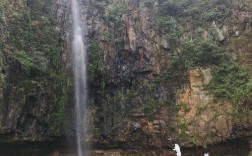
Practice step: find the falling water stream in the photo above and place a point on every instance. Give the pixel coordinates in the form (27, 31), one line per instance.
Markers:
(80, 76)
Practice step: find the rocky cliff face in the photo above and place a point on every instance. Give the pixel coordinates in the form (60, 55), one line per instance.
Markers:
(160, 71)
(157, 68)
(33, 84)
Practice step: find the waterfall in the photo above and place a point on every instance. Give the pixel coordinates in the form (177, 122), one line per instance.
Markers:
(80, 76)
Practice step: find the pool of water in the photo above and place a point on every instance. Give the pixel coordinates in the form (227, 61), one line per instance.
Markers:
(231, 148)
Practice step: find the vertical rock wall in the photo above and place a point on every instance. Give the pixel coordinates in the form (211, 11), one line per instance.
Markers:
(137, 103)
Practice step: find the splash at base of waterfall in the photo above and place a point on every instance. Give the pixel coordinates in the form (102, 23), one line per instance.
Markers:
(178, 152)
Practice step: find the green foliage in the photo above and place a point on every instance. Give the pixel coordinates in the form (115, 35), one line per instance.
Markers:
(167, 24)
(202, 53)
(151, 102)
(182, 127)
(2, 13)
(106, 36)
(199, 11)
(176, 68)
(31, 41)
(1, 69)
(120, 100)
(242, 46)
(60, 121)
(193, 54)
(30, 38)
(171, 7)
(182, 106)
(230, 82)
(61, 84)
(96, 67)
(36, 61)
(176, 72)
(98, 6)
(148, 3)
(150, 105)
(25, 61)
(41, 9)
(20, 31)
(148, 85)
(117, 9)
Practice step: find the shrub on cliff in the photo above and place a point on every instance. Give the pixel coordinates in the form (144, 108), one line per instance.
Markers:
(230, 81)
(202, 53)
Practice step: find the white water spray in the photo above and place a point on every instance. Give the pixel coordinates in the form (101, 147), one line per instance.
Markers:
(177, 149)
(178, 152)
(80, 77)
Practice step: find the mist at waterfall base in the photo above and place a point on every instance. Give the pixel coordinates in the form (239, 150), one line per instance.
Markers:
(80, 77)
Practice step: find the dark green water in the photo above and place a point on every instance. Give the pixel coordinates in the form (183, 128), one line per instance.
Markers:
(231, 148)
